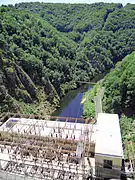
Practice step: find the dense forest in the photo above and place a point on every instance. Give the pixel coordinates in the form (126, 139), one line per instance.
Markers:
(119, 97)
(46, 49)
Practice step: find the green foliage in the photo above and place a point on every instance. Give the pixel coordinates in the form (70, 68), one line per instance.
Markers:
(72, 17)
(53, 46)
(105, 32)
(89, 103)
(128, 135)
(119, 20)
(126, 126)
(119, 95)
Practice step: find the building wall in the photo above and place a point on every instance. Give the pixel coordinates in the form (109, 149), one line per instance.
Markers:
(106, 172)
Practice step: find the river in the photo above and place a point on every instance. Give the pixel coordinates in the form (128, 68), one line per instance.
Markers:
(70, 105)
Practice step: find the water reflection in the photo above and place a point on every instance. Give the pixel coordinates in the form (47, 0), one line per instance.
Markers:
(70, 105)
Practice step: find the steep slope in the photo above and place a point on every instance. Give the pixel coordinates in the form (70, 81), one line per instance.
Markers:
(115, 40)
(119, 97)
(104, 32)
(119, 93)
(32, 54)
(40, 62)
(72, 17)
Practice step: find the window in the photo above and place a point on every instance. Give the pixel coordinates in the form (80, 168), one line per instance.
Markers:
(108, 164)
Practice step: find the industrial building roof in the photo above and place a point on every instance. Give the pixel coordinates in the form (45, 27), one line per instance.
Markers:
(108, 136)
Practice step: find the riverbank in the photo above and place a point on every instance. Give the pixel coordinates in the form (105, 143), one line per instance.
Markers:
(70, 105)
(89, 109)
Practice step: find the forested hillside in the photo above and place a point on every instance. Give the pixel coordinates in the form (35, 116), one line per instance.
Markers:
(119, 85)
(119, 97)
(45, 49)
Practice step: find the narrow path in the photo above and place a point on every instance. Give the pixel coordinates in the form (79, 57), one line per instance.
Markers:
(98, 102)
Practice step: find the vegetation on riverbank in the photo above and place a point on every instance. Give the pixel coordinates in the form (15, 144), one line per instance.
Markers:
(89, 102)
(45, 49)
(119, 97)
(128, 136)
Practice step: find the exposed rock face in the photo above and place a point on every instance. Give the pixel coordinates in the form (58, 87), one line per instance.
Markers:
(17, 86)
(3, 93)
(51, 92)
(26, 81)
(7, 103)
(19, 83)
(45, 55)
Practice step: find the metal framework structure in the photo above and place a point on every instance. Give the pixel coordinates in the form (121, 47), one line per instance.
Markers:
(26, 151)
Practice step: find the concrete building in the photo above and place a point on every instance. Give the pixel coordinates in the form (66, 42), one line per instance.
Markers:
(44, 149)
(108, 147)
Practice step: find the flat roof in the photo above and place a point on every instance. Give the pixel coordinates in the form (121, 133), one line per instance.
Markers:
(108, 136)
